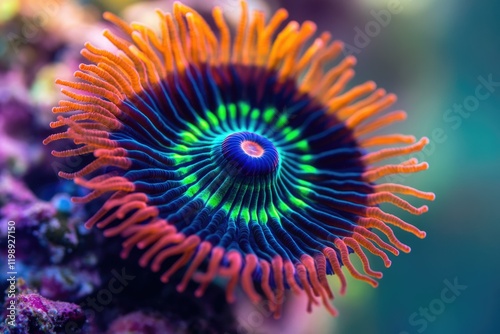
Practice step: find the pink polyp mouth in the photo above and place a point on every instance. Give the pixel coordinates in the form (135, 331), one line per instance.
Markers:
(252, 149)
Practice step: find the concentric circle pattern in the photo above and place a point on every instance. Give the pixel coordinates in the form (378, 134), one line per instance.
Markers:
(250, 154)
(243, 156)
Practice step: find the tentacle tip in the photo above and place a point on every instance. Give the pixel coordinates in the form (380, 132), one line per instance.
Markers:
(272, 305)
(338, 43)
(256, 299)
(353, 61)
(164, 279)
(198, 293)
(181, 287)
(422, 235)
(134, 48)
(370, 84)
(310, 25)
(135, 32)
(388, 263)
(294, 25)
(331, 309)
(392, 97)
(107, 206)
(423, 209)
(124, 255)
(425, 140)
(283, 12)
(143, 263)
(107, 233)
(64, 175)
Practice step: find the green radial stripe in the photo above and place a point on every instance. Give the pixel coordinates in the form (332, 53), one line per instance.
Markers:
(205, 177)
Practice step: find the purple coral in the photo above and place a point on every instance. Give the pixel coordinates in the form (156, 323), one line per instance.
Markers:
(28, 312)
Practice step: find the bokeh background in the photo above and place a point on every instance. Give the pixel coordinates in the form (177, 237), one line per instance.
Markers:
(435, 55)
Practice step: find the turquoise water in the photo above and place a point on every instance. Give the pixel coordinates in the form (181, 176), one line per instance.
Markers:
(433, 59)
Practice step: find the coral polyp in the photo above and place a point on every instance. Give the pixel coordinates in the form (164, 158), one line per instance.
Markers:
(244, 156)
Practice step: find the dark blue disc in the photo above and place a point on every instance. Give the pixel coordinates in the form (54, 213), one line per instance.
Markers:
(250, 154)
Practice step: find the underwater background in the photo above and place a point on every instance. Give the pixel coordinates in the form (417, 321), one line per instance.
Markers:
(442, 60)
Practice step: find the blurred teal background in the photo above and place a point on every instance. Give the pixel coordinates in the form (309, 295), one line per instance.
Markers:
(432, 54)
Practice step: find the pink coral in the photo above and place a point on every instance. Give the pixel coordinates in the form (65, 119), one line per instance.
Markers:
(28, 312)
